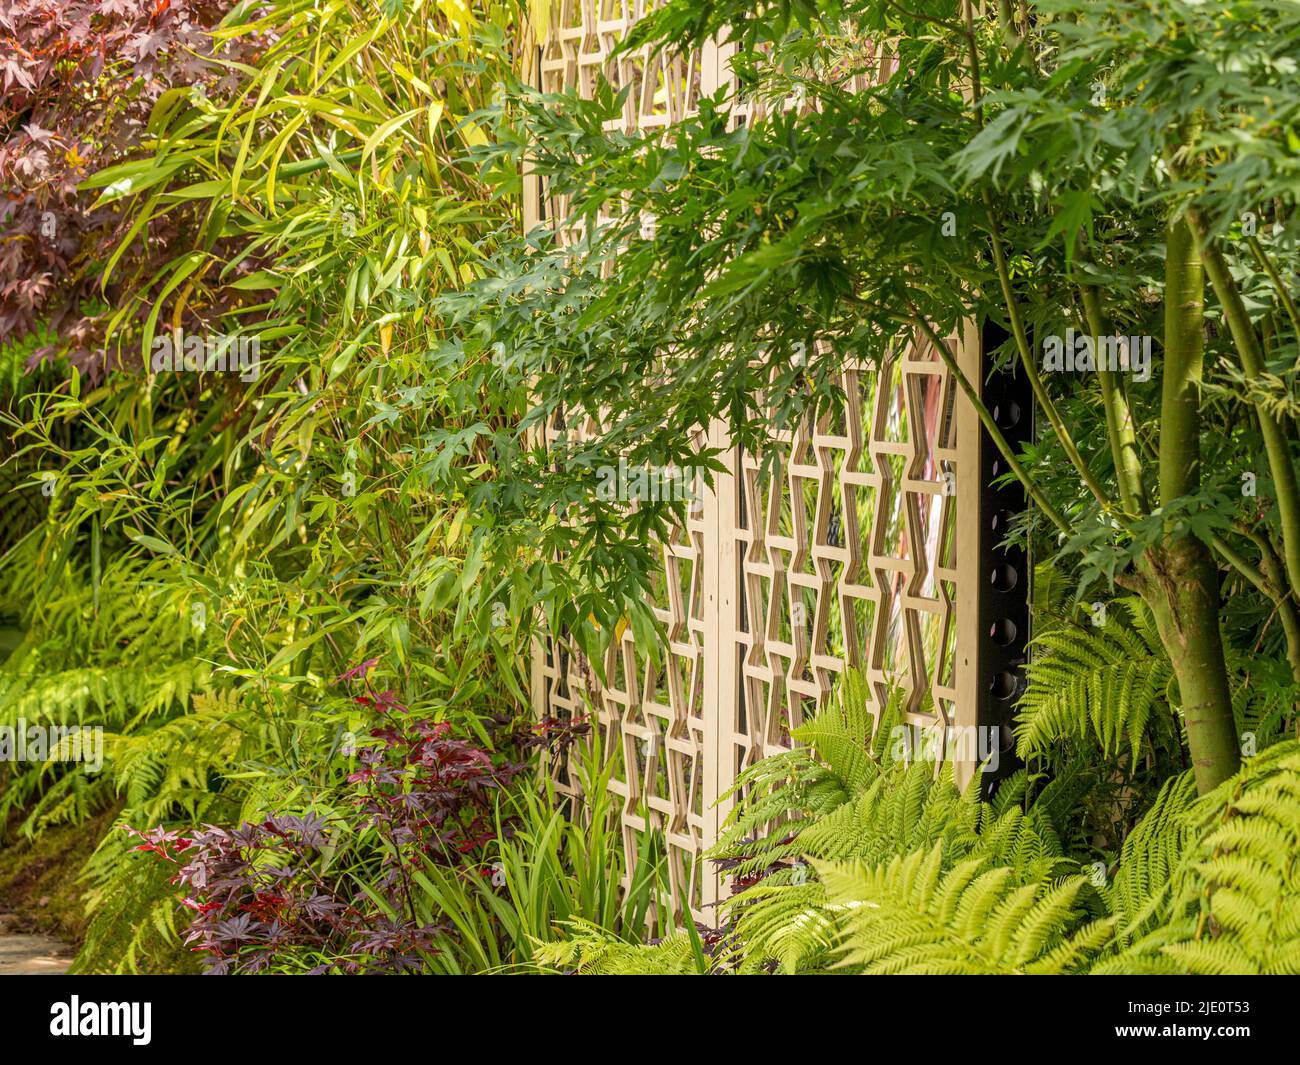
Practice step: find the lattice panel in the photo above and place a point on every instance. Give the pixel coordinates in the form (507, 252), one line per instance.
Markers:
(650, 713)
(578, 51)
(845, 551)
(846, 554)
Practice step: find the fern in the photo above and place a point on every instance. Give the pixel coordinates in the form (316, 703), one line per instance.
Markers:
(591, 951)
(845, 807)
(1233, 898)
(113, 650)
(1113, 685)
(116, 650)
(172, 770)
(135, 923)
(913, 876)
(846, 753)
(1108, 683)
(846, 800)
(1151, 853)
(918, 915)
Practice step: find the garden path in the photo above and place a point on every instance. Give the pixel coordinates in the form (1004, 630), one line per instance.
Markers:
(30, 953)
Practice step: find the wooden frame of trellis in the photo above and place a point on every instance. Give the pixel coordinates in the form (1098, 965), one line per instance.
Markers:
(859, 526)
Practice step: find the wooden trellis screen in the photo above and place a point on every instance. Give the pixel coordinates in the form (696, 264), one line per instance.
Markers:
(852, 554)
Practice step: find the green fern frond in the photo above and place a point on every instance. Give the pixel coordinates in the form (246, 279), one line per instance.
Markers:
(1108, 684)
(591, 951)
(910, 916)
(785, 921)
(1233, 900)
(1151, 853)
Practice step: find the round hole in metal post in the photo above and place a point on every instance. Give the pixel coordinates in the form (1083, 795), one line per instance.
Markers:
(1003, 631)
(1004, 685)
(1004, 577)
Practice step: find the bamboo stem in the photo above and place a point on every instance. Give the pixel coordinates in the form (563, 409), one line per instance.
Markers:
(1276, 446)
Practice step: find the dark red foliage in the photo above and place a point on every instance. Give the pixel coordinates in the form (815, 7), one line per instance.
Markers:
(78, 79)
(429, 793)
(262, 892)
(557, 735)
(258, 893)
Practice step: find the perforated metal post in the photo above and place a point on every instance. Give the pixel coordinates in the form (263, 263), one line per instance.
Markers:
(1006, 571)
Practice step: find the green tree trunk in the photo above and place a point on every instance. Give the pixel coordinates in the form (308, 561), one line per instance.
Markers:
(1181, 584)
(1182, 591)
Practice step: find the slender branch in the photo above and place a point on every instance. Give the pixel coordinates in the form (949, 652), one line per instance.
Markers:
(1269, 268)
(1283, 604)
(986, 418)
(1241, 564)
(1184, 339)
(1270, 562)
(1275, 587)
(921, 17)
(1248, 347)
(1119, 418)
(1007, 18)
(972, 45)
(1041, 395)
(1018, 330)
